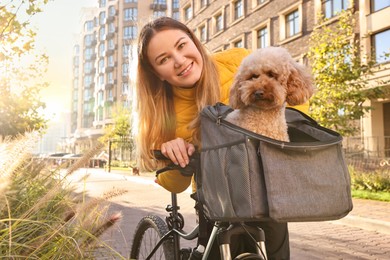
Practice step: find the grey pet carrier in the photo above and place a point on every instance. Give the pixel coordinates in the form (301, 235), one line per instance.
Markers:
(247, 177)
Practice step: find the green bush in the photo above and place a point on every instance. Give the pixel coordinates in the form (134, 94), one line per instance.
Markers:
(40, 215)
(378, 180)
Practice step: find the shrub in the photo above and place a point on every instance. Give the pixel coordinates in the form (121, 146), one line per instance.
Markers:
(40, 215)
(377, 180)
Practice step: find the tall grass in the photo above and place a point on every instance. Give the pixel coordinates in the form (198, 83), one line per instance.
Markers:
(41, 217)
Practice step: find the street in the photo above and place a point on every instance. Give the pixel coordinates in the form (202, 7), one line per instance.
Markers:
(308, 240)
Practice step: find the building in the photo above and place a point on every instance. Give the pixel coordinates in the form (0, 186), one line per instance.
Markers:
(104, 64)
(256, 24)
(104, 61)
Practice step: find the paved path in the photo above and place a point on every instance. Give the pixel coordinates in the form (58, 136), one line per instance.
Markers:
(363, 234)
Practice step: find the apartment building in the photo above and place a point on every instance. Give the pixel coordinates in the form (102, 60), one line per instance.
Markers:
(252, 24)
(104, 60)
(104, 64)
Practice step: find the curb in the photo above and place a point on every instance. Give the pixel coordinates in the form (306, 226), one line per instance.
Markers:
(377, 225)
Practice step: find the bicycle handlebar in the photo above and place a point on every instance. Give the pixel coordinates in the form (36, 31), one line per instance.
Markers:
(189, 170)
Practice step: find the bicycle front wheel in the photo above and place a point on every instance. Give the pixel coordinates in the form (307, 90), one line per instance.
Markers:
(148, 233)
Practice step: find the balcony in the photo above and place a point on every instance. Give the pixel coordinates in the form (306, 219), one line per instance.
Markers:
(108, 86)
(109, 35)
(158, 6)
(108, 69)
(109, 19)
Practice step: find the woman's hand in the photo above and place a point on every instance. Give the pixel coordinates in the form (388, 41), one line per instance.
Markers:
(178, 151)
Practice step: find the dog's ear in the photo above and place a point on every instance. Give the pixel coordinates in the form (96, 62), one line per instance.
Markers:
(235, 96)
(299, 84)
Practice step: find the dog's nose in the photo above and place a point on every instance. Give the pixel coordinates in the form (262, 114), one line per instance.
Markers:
(259, 94)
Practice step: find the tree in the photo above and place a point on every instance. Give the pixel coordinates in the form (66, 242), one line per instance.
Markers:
(120, 133)
(21, 69)
(340, 75)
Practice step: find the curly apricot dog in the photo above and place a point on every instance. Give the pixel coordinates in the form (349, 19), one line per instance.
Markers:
(266, 81)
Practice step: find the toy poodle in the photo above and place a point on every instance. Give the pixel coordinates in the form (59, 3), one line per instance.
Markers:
(265, 82)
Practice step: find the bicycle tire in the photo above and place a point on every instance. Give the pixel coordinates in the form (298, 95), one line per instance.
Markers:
(248, 256)
(147, 234)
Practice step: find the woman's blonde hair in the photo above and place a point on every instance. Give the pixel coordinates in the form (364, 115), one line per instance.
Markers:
(157, 119)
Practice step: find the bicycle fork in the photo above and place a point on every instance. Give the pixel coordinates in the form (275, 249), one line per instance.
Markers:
(225, 234)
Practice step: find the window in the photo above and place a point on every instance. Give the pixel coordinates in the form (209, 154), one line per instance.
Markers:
(111, 44)
(102, 34)
(130, 14)
(175, 4)
(292, 24)
(88, 52)
(125, 88)
(202, 33)
(88, 26)
(87, 81)
(101, 81)
(218, 21)
(157, 14)
(176, 15)
(380, 44)
(332, 8)
(110, 78)
(125, 69)
(238, 9)
(238, 44)
(130, 1)
(262, 38)
(377, 5)
(102, 18)
(187, 13)
(112, 11)
(130, 32)
(126, 50)
(111, 28)
(111, 61)
(101, 66)
(87, 67)
(88, 39)
(102, 3)
(203, 3)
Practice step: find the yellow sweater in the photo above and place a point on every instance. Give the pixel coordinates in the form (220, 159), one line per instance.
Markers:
(185, 106)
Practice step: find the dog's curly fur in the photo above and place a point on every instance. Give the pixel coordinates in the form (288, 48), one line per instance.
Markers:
(266, 80)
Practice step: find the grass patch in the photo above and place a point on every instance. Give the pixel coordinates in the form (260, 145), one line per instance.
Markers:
(365, 194)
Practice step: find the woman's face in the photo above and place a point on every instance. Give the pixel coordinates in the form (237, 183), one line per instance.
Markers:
(175, 58)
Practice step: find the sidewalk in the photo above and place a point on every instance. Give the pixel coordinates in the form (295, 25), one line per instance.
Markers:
(366, 214)
(370, 215)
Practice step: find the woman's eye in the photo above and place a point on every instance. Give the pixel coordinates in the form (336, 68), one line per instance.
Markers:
(181, 45)
(254, 76)
(163, 60)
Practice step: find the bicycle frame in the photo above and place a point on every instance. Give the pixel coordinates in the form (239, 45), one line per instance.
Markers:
(221, 230)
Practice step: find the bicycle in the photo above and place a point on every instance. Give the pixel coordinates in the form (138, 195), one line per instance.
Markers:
(155, 238)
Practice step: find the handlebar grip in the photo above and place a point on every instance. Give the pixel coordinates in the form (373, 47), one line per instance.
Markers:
(189, 170)
(159, 155)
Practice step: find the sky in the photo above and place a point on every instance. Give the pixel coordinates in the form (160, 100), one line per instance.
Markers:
(57, 28)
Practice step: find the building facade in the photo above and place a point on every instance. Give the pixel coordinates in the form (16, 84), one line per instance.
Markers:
(105, 57)
(256, 24)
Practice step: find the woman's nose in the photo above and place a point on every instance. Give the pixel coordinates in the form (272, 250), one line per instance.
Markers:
(179, 60)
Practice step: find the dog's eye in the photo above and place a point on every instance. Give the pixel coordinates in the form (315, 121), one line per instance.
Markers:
(271, 74)
(254, 76)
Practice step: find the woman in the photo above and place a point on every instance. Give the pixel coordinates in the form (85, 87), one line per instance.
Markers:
(176, 79)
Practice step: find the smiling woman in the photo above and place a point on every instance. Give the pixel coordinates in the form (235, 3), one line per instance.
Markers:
(176, 79)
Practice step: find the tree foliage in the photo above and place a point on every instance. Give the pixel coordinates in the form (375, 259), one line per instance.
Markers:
(340, 75)
(21, 69)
